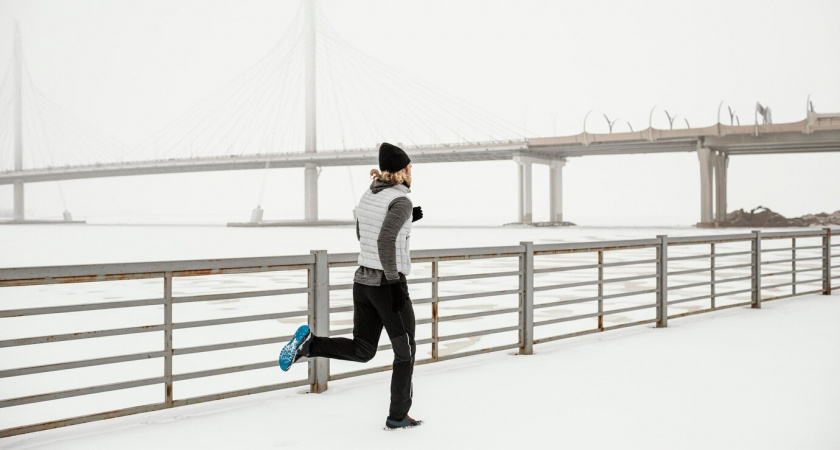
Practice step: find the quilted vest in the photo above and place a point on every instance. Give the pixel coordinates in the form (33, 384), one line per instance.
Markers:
(371, 214)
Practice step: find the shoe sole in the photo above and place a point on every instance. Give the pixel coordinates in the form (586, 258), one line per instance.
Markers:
(287, 354)
(387, 428)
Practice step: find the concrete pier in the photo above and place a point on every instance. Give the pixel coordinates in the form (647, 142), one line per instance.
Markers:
(721, 163)
(706, 171)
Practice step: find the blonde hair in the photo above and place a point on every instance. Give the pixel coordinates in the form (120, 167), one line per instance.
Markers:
(393, 178)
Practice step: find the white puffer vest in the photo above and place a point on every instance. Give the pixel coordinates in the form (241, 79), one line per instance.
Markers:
(371, 214)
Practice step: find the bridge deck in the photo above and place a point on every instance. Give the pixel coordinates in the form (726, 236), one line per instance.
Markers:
(818, 133)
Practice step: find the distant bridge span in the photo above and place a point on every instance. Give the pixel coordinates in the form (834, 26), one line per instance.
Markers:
(713, 145)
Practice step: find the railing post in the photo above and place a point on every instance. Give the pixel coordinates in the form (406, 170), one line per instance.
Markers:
(793, 265)
(712, 289)
(756, 270)
(827, 261)
(319, 317)
(526, 300)
(662, 282)
(435, 331)
(600, 290)
(167, 336)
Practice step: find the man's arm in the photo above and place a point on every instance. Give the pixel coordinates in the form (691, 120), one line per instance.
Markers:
(399, 211)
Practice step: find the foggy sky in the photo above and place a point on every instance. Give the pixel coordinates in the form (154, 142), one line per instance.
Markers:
(131, 67)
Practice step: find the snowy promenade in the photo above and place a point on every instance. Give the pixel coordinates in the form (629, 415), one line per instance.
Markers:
(733, 379)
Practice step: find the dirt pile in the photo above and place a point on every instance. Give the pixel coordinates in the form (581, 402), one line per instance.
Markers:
(764, 217)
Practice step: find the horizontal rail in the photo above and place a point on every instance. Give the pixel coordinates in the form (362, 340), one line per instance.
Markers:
(455, 254)
(690, 299)
(238, 295)
(790, 272)
(709, 269)
(717, 308)
(782, 249)
(816, 291)
(593, 266)
(708, 255)
(240, 319)
(81, 391)
(782, 261)
(341, 287)
(80, 308)
(450, 298)
(578, 247)
(223, 370)
(477, 333)
(708, 283)
(592, 331)
(477, 276)
(81, 335)
(709, 239)
(707, 297)
(593, 315)
(590, 283)
(230, 345)
(79, 364)
(592, 299)
(478, 314)
(815, 280)
(108, 272)
(792, 234)
(739, 291)
(566, 268)
(147, 408)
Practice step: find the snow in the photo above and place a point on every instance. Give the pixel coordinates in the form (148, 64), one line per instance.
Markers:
(738, 378)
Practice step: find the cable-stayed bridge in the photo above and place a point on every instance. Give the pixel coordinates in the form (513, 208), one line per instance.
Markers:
(315, 101)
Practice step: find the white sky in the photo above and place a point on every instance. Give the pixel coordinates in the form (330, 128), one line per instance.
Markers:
(131, 67)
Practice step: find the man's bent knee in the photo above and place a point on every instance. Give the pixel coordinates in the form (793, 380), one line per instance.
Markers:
(364, 351)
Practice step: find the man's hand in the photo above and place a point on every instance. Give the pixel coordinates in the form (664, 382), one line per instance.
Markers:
(399, 295)
(416, 214)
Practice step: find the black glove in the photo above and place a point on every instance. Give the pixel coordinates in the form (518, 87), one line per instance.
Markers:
(416, 214)
(399, 294)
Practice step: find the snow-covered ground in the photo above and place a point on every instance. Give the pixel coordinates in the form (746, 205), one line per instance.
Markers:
(733, 379)
(716, 375)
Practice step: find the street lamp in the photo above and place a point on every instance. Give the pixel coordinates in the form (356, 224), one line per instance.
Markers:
(610, 123)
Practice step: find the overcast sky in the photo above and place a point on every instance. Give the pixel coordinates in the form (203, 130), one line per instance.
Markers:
(131, 67)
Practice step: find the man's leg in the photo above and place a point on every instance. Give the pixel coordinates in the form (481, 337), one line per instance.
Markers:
(367, 328)
(400, 329)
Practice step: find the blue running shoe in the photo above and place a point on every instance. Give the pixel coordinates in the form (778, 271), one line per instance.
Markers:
(406, 422)
(297, 348)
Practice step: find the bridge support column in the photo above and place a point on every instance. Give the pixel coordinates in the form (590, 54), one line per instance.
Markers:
(721, 163)
(556, 185)
(18, 192)
(18, 121)
(525, 211)
(310, 180)
(705, 157)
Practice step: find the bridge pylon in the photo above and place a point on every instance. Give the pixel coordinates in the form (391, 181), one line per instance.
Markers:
(19, 216)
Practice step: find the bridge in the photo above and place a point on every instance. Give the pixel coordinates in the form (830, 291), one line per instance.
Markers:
(221, 146)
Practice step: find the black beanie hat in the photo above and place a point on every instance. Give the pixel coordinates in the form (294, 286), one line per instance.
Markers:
(392, 158)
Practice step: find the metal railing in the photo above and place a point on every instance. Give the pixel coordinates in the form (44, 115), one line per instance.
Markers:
(557, 290)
